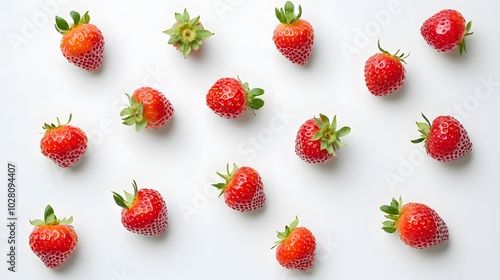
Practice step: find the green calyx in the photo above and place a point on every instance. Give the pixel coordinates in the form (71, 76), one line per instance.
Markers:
(328, 135)
(47, 127)
(462, 47)
(188, 34)
(401, 57)
(287, 15)
(62, 25)
(253, 101)
(133, 114)
(49, 218)
(283, 235)
(393, 212)
(227, 177)
(424, 128)
(129, 199)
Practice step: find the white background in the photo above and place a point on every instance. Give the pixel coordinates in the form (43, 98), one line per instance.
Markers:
(338, 201)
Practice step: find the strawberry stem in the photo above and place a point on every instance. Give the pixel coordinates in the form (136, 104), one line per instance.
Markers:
(287, 15)
(401, 57)
(393, 211)
(283, 235)
(49, 218)
(227, 177)
(129, 199)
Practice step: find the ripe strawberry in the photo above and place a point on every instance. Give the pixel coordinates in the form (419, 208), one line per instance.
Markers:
(317, 139)
(243, 189)
(63, 143)
(230, 98)
(445, 140)
(384, 72)
(296, 247)
(446, 30)
(144, 211)
(82, 43)
(148, 108)
(293, 36)
(419, 226)
(53, 240)
(187, 34)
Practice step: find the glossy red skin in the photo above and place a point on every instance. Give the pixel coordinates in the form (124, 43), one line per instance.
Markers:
(64, 145)
(53, 244)
(227, 98)
(298, 251)
(448, 140)
(308, 150)
(445, 30)
(295, 41)
(158, 110)
(83, 46)
(384, 74)
(148, 214)
(245, 190)
(421, 227)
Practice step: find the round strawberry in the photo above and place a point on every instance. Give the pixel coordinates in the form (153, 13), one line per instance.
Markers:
(187, 34)
(230, 98)
(53, 240)
(419, 226)
(243, 189)
(296, 247)
(82, 43)
(445, 139)
(148, 108)
(446, 30)
(293, 36)
(318, 140)
(384, 72)
(144, 211)
(63, 143)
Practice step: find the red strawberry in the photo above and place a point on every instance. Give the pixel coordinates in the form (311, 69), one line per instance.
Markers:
(296, 247)
(230, 98)
(82, 43)
(419, 226)
(446, 30)
(144, 211)
(148, 108)
(243, 189)
(293, 36)
(63, 143)
(317, 139)
(445, 140)
(53, 240)
(384, 72)
(187, 34)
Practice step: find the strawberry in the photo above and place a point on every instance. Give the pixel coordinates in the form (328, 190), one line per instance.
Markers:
(230, 98)
(384, 72)
(148, 108)
(53, 240)
(445, 139)
(144, 211)
(82, 43)
(419, 226)
(296, 247)
(63, 143)
(187, 34)
(446, 30)
(293, 36)
(243, 189)
(318, 140)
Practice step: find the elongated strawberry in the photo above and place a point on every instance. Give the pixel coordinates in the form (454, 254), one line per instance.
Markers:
(82, 43)
(243, 188)
(446, 31)
(384, 72)
(230, 98)
(63, 143)
(144, 211)
(293, 36)
(445, 139)
(53, 240)
(318, 140)
(419, 226)
(187, 34)
(296, 247)
(148, 108)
